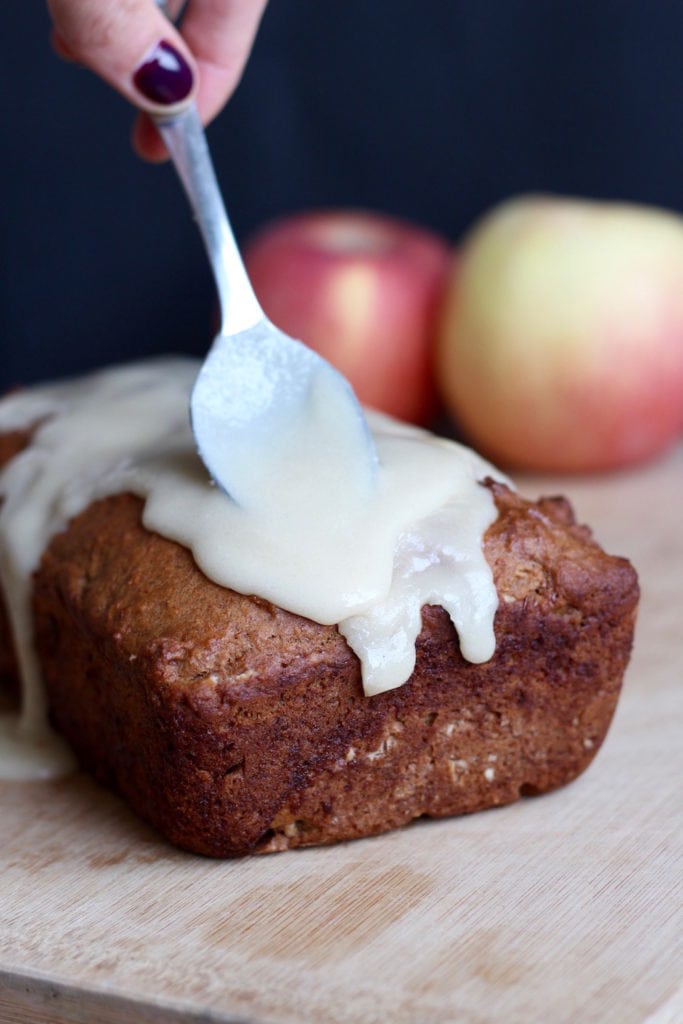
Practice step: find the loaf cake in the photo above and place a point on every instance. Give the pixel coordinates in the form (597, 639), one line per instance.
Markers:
(235, 726)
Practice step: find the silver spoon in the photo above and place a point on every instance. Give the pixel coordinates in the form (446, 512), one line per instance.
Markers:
(260, 397)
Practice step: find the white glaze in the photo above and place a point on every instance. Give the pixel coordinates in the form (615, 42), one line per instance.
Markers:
(366, 562)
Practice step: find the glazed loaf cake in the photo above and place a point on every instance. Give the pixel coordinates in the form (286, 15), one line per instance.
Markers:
(233, 726)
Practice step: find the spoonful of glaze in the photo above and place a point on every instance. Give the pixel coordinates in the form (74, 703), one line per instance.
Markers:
(263, 403)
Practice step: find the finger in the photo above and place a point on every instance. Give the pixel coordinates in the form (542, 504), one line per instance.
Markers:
(60, 47)
(220, 34)
(146, 140)
(150, 65)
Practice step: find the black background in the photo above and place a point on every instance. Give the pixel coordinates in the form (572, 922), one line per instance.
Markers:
(432, 111)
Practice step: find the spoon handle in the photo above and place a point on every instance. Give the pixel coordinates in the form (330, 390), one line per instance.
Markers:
(185, 140)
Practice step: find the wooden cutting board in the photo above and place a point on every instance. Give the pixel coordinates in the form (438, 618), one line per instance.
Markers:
(562, 908)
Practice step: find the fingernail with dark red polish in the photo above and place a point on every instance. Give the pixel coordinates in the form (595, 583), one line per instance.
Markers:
(164, 75)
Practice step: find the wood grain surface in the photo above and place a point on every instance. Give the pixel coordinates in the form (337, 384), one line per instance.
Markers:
(562, 908)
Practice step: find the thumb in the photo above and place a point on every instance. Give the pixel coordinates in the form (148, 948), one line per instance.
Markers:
(132, 46)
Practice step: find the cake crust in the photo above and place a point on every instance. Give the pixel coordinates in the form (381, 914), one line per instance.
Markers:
(233, 726)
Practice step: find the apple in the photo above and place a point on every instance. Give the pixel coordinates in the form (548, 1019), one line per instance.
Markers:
(363, 290)
(560, 345)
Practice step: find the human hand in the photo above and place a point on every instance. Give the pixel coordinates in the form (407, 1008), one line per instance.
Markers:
(136, 49)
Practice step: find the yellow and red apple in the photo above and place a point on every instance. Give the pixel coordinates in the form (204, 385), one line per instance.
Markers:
(363, 290)
(561, 342)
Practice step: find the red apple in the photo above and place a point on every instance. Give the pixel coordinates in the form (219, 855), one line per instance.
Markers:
(561, 341)
(363, 290)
